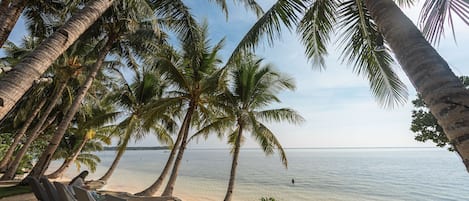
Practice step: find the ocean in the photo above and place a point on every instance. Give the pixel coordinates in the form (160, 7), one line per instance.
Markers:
(368, 174)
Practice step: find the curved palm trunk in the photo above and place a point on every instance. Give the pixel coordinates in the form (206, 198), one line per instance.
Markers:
(234, 165)
(431, 76)
(119, 155)
(67, 162)
(59, 172)
(46, 156)
(168, 191)
(19, 135)
(151, 190)
(9, 16)
(33, 134)
(16, 82)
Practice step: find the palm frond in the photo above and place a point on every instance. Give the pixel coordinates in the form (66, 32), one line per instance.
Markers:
(218, 126)
(435, 13)
(283, 12)
(267, 140)
(315, 29)
(359, 35)
(279, 115)
(253, 6)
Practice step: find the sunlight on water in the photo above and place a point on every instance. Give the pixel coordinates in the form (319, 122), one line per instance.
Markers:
(320, 174)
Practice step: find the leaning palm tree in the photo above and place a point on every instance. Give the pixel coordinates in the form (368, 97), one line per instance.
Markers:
(364, 26)
(194, 74)
(252, 91)
(89, 129)
(16, 82)
(124, 20)
(134, 99)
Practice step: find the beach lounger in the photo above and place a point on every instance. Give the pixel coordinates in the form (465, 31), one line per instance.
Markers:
(51, 191)
(64, 193)
(38, 189)
(114, 198)
(83, 194)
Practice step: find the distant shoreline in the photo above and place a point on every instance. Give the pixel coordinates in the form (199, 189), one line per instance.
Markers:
(250, 148)
(137, 148)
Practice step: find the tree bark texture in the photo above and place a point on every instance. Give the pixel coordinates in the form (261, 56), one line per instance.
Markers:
(9, 15)
(168, 191)
(119, 155)
(33, 134)
(20, 134)
(151, 190)
(68, 161)
(17, 81)
(46, 156)
(234, 165)
(429, 73)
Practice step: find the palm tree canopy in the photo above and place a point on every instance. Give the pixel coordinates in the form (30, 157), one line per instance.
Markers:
(317, 20)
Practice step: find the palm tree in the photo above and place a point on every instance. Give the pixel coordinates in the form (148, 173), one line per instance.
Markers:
(134, 99)
(123, 21)
(16, 82)
(194, 75)
(89, 129)
(363, 25)
(254, 88)
(69, 65)
(10, 11)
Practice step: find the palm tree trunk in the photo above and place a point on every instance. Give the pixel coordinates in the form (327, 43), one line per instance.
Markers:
(430, 74)
(119, 155)
(20, 134)
(234, 165)
(168, 191)
(67, 162)
(33, 134)
(59, 172)
(46, 156)
(8, 16)
(16, 82)
(156, 185)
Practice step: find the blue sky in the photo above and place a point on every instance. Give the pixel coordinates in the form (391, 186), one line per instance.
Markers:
(337, 104)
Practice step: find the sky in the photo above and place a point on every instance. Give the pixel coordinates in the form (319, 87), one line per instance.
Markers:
(337, 104)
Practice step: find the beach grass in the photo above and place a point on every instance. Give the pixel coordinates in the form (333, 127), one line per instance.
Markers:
(13, 190)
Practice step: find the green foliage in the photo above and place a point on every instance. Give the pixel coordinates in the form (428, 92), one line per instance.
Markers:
(425, 125)
(14, 190)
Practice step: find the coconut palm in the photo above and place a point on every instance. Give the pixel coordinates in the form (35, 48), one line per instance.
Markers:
(124, 20)
(363, 25)
(252, 91)
(68, 66)
(89, 129)
(16, 82)
(194, 75)
(134, 98)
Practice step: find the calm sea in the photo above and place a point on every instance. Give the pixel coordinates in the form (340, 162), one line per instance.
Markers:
(320, 174)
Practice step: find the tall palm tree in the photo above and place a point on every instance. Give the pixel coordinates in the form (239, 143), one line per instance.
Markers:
(124, 20)
(90, 128)
(362, 24)
(16, 82)
(134, 99)
(253, 90)
(10, 11)
(195, 77)
(69, 65)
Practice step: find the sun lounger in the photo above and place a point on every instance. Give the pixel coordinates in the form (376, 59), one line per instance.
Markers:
(114, 198)
(51, 191)
(83, 194)
(38, 189)
(125, 196)
(64, 193)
